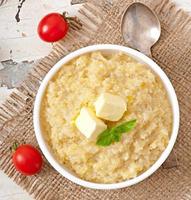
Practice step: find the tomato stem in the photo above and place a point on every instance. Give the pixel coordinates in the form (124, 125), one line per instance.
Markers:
(14, 146)
(72, 21)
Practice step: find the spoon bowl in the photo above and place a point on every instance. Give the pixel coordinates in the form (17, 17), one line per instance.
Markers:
(140, 27)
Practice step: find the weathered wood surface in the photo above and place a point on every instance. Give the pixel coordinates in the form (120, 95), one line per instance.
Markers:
(19, 42)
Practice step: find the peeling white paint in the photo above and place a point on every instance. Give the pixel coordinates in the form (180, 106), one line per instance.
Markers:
(4, 93)
(19, 41)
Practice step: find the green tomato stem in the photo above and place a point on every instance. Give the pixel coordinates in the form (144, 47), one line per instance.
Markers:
(14, 146)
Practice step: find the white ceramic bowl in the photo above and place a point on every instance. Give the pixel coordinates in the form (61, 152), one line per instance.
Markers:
(141, 58)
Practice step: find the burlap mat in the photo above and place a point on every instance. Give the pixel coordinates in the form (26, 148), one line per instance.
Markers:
(102, 25)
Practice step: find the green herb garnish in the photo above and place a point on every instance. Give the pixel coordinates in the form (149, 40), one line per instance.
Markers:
(114, 134)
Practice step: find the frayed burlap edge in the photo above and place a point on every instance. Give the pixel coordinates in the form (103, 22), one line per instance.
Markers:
(16, 113)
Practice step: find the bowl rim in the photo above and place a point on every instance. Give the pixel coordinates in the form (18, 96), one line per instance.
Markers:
(171, 95)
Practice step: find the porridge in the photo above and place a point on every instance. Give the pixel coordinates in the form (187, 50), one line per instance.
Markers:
(78, 84)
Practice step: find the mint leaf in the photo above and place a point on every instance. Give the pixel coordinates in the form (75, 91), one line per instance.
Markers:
(116, 137)
(105, 138)
(125, 127)
(114, 134)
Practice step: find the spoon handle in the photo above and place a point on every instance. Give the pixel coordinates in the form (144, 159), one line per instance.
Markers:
(143, 48)
(171, 161)
(146, 51)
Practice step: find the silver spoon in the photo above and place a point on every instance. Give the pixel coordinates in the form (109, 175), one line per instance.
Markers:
(140, 28)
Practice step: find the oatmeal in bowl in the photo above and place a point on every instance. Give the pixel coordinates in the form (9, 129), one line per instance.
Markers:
(106, 116)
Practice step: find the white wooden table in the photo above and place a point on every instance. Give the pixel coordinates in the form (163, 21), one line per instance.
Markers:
(19, 42)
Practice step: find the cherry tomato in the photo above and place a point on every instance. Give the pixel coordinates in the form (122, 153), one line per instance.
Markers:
(52, 27)
(27, 159)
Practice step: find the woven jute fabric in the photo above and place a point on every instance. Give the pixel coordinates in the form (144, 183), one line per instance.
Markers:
(101, 24)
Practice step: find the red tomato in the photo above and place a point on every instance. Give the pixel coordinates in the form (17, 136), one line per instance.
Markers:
(27, 159)
(52, 27)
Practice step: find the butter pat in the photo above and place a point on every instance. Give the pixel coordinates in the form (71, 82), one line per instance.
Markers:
(88, 124)
(110, 107)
